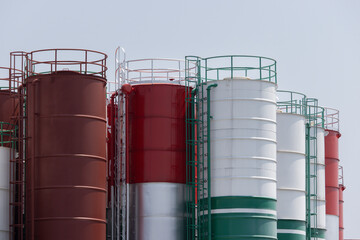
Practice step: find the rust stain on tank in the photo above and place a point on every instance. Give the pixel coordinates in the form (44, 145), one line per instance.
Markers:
(66, 157)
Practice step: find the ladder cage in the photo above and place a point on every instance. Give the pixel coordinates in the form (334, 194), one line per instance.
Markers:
(315, 120)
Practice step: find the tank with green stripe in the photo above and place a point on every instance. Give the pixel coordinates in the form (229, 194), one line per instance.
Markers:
(235, 148)
(291, 165)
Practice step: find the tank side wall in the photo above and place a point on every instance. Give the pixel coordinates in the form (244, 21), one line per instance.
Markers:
(66, 170)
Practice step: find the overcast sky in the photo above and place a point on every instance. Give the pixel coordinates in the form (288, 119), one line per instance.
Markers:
(316, 44)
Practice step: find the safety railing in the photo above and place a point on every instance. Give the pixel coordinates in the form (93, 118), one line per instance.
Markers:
(291, 102)
(154, 70)
(331, 116)
(10, 78)
(235, 66)
(341, 175)
(7, 135)
(84, 61)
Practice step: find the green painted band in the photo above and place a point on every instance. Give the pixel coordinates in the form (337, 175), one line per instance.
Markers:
(240, 202)
(320, 233)
(240, 226)
(241, 215)
(291, 224)
(290, 236)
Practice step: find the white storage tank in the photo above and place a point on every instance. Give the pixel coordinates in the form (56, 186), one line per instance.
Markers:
(242, 137)
(291, 163)
(318, 202)
(5, 151)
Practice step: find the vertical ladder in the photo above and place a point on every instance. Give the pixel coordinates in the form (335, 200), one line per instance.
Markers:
(17, 157)
(311, 169)
(192, 144)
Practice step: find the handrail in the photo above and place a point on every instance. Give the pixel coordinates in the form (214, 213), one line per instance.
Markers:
(341, 175)
(291, 102)
(10, 74)
(331, 119)
(47, 61)
(220, 67)
(154, 70)
(7, 134)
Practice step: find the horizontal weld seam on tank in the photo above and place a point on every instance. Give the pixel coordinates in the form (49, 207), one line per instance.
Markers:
(242, 99)
(157, 116)
(244, 118)
(288, 151)
(71, 218)
(157, 150)
(72, 155)
(244, 138)
(232, 128)
(4, 189)
(246, 157)
(241, 210)
(332, 158)
(319, 199)
(291, 189)
(40, 76)
(320, 164)
(290, 231)
(72, 115)
(334, 215)
(328, 186)
(253, 177)
(72, 186)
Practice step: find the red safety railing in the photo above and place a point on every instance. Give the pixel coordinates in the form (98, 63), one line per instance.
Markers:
(331, 117)
(83, 61)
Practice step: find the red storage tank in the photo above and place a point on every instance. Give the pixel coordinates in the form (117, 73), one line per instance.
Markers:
(332, 173)
(157, 167)
(341, 203)
(66, 151)
(341, 212)
(156, 150)
(6, 100)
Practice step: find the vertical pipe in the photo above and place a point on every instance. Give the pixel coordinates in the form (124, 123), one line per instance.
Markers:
(209, 117)
(308, 217)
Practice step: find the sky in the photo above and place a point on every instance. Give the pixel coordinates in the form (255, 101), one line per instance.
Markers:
(316, 44)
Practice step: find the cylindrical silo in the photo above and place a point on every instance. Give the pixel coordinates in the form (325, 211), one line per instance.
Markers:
(6, 100)
(341, 203)
(66, 145)
(6, 146)
(236, 132)
(156, 148)
(291, 174)
(341, 211)
(332, 173)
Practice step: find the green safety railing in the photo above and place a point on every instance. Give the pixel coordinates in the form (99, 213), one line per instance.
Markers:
(291, 102)
(234, 66)
(8, 135)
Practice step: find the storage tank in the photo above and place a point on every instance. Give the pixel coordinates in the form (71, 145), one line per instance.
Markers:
(156, 148)
(291, 202)
(236, 136)
(6, 146)
(66, 146)
(316, 169)
(332, 172)
(6, 101)
(341, 203)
